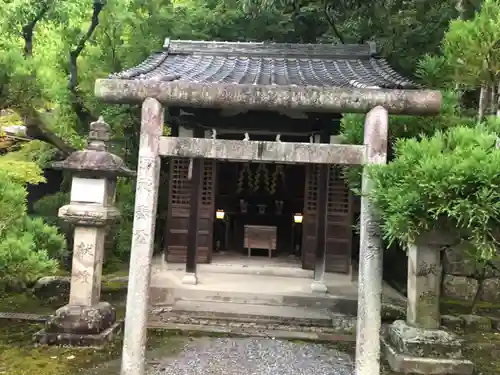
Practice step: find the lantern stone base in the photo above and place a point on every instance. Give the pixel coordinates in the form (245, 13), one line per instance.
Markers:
(410, 350)
(80, 326)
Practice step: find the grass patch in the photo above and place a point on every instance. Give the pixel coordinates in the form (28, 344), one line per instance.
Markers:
(27, 303)
(19, 356)
(483, 349)
(458, 307)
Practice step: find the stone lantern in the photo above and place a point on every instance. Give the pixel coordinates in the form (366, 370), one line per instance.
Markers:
(86, 320)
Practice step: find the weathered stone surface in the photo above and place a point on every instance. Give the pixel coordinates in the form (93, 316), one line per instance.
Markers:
(492, 269)
(459, 287)
(423, 343)
(476, 323)
(75, 339)
(95, 158)
(52, 288)
(82, 214)
(265, 97)
(82, 320)
(148, 177)
(451, 322)
(406, 364)
(265, 151)
(455, 262)
(490, 290)
(424, 284)
(392, 312)
(371, 250)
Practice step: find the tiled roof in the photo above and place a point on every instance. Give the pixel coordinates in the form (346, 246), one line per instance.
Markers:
(320, 65)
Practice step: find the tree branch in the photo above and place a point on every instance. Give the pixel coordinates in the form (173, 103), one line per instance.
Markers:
(80, 110)
(331, 22)
(37, 129)
(27, 30)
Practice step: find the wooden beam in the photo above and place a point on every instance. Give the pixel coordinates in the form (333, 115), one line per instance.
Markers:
(270, 97)
(262, 151)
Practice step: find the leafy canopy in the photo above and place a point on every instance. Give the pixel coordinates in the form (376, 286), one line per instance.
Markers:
(472, 47)
(29, 248)
(446, 181)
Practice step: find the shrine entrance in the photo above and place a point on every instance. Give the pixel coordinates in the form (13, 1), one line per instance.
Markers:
(259, 213)
(253, 199)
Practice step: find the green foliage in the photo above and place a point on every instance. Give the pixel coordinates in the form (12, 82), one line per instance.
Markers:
(21, 261)
(48, 206)
(446, 181)
(29, 248)
(122, 231)
(472, 47)
(20, 172)
(435, 72)
(401, 127)
(45, 237)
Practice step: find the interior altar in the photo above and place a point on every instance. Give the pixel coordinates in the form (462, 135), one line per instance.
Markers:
(262, 195)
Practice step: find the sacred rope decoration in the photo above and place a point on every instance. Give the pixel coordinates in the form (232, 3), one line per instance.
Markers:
(261, 174)
(278, 173)
(245, 171)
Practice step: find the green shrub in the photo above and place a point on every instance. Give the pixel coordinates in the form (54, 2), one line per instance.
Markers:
(46, 237)
(121, 232)
(29, 248)
(352, 130)
(21, 261)
(448, 181)
(48, 208)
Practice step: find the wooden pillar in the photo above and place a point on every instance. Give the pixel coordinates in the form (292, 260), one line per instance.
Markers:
(190, 276)
(370, 254)
(318, 284)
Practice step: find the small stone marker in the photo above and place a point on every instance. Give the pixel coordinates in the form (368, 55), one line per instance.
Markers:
(418, 345)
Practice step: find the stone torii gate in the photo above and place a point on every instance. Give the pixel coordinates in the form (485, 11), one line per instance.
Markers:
(153, 94)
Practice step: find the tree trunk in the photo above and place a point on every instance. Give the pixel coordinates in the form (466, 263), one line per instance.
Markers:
(498, 100)
(493, 100)
(483, 103)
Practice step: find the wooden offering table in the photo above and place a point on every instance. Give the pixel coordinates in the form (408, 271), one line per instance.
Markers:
(260, 237)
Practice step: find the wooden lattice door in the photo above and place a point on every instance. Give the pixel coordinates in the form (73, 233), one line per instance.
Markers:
(177, 224)
(338, 229)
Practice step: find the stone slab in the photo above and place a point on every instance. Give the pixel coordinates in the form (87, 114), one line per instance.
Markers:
(24, 316)
(263, 151)
(423, 343)
(252, 331)
(82, 320)
(291, 315)
(407, 364)
(96, 340)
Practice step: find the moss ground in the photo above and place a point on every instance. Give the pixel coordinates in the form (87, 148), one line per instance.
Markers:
(19, 356)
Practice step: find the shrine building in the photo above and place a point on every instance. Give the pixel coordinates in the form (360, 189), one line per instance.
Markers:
(268, 209)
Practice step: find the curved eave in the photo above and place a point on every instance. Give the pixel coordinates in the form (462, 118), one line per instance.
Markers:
(368, 72)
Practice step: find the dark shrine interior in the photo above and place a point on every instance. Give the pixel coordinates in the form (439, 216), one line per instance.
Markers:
(259, 194)
(278, 194)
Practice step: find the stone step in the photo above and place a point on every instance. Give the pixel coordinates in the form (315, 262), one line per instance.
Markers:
(253, 313)
(247, 269)
(246, 330)
(337, 304)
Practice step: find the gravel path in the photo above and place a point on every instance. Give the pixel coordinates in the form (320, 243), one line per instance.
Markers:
(253, 356)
